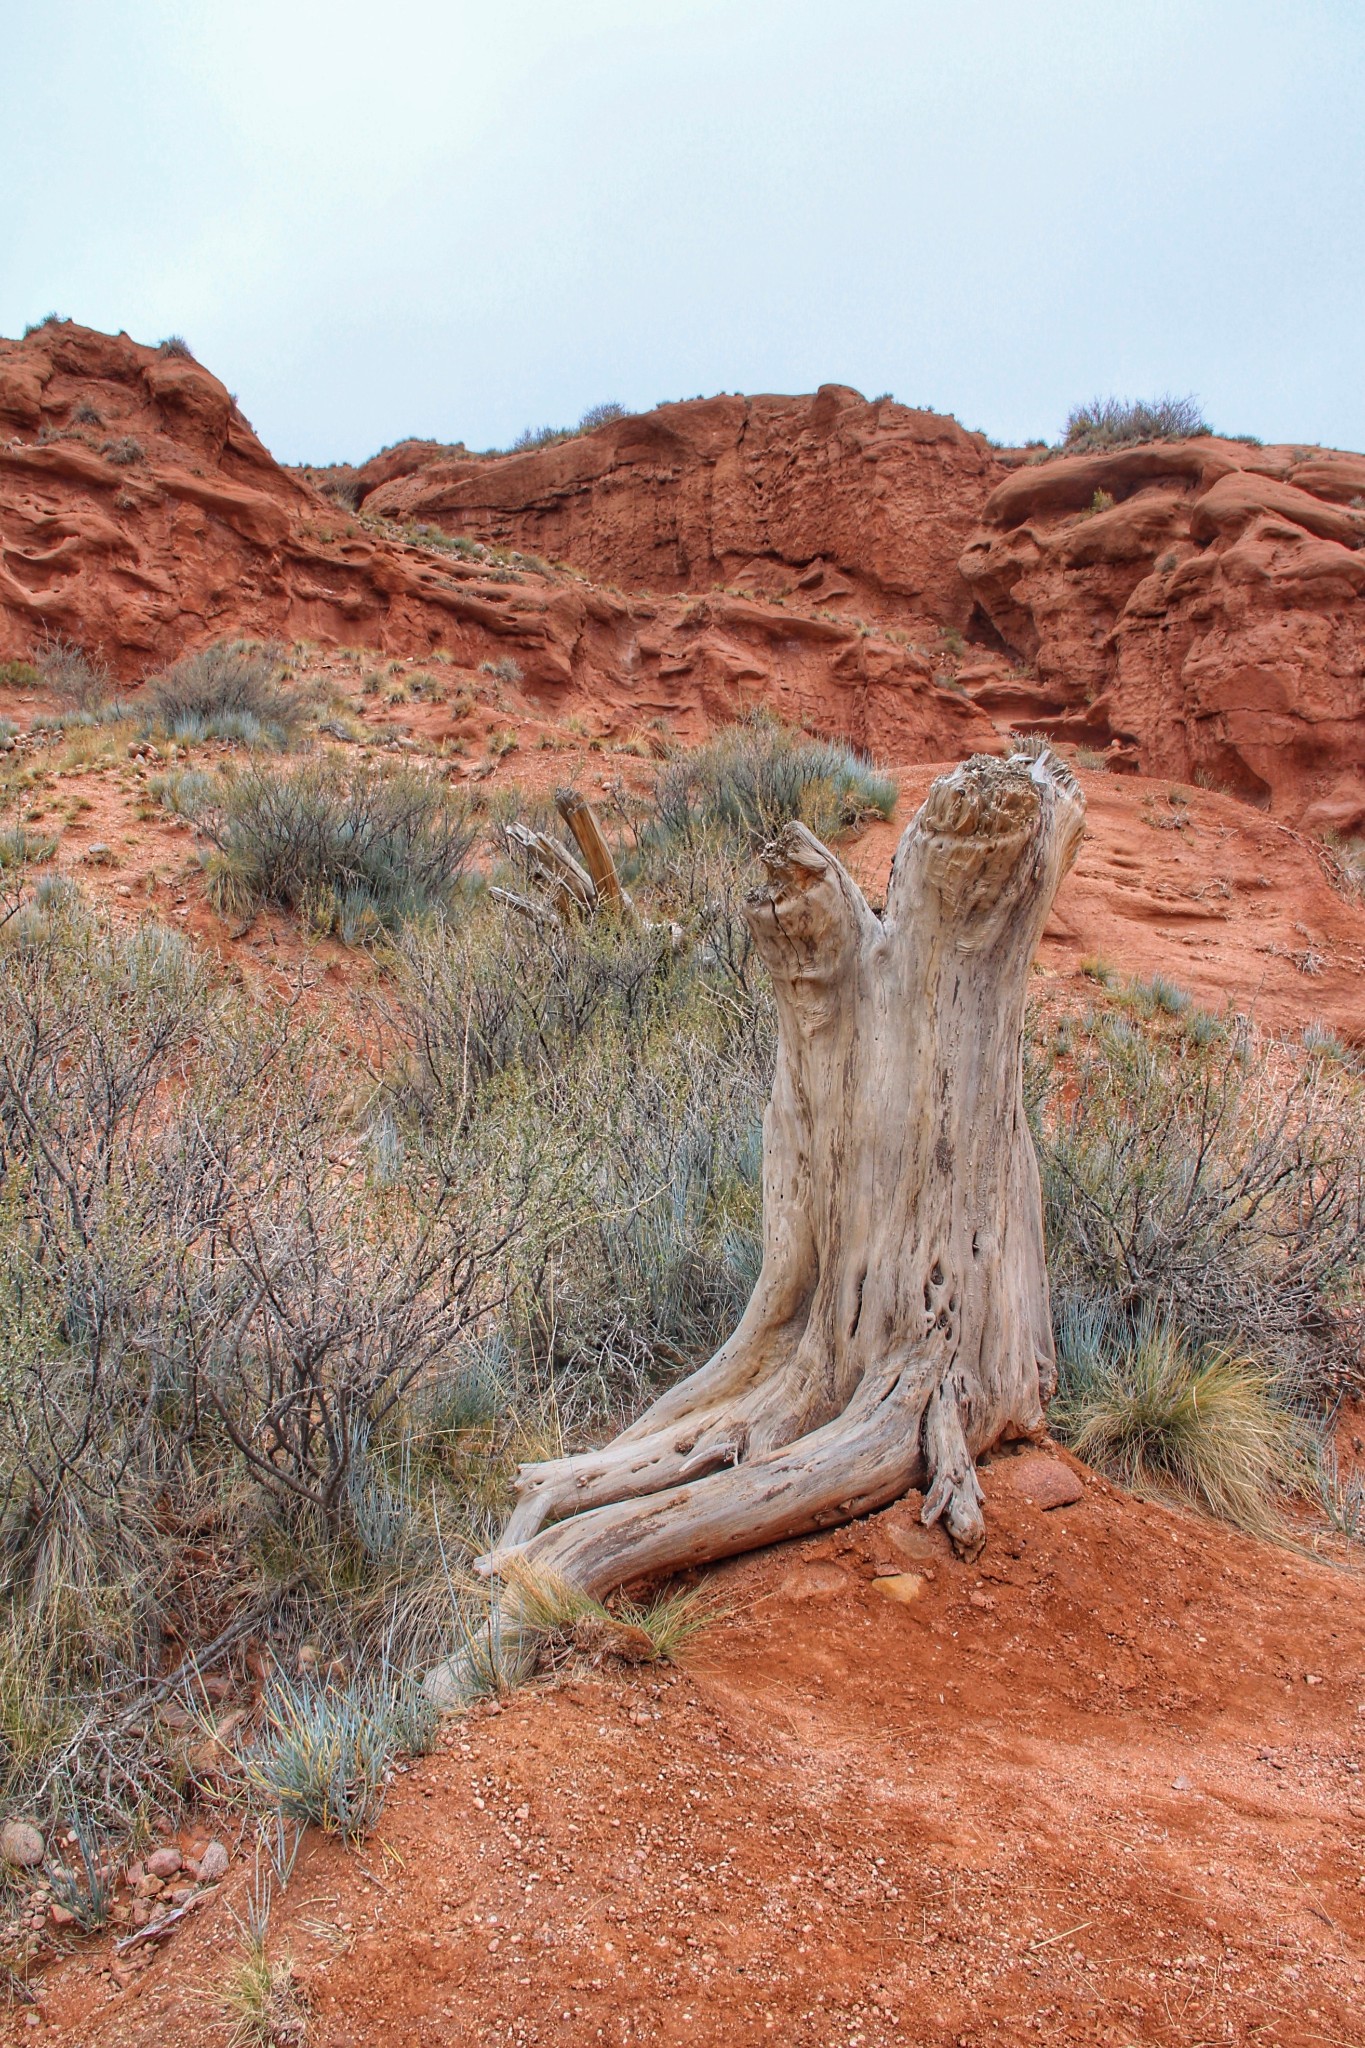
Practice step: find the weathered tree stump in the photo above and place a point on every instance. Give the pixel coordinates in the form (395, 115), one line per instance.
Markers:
(900, 1324)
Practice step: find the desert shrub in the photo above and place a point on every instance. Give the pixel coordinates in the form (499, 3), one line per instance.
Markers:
(76, 679)
(184, 792)
(1348, 861)
(633, 1070)
(123, 451)
(21, 846)
(176, 345)
(211, 1321)
(1340, 1495)
(231, 691)
(751, 778)
(1162, 1416)
(504, 670)
(540, 437)
(602, 415)
(1115, 422)
(354, 849)
(1213, 1182)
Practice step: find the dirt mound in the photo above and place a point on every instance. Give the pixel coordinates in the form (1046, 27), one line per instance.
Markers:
(1103, 1787)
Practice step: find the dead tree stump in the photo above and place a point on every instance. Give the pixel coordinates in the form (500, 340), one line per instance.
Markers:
(900, 1323)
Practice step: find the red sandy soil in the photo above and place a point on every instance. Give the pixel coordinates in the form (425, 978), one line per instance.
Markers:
(1236, 907)
(1103, 1786)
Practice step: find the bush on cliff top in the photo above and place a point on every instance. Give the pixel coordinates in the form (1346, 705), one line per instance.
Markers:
(1117, 422)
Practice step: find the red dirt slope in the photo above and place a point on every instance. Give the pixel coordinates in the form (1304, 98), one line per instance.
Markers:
(1104, 1787)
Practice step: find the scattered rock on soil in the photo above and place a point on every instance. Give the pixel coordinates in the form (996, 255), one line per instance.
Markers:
(1042, 1481)
(213, 1864)
(21, 1845)
(903, 1587)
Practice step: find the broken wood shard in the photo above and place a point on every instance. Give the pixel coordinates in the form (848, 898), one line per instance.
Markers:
(900, 1324)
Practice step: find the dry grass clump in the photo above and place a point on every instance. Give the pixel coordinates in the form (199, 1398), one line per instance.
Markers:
(21, 846)
(81, 682)
(1165, 1417)
(752, 778)
(324, 1754)
(1193, 1172)
(541, 1612)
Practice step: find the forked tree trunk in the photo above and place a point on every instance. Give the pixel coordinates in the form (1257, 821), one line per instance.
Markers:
(900, 1323)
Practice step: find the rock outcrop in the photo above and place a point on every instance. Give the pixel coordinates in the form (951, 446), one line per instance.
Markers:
(860, 507)
(1194, 609)
(1197, 607)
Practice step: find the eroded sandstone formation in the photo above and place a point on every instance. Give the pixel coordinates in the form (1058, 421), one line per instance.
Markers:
(1198, 607)
(1194, 609)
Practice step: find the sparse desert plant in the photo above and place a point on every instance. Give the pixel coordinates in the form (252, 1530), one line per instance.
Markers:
(88, 1893)
(564, 1623)
(540, 437)
(1213, 1182)
(230, 691)
(751, 778)
(184, 792)
(354, 850)
(504, 670)
(1340, 1495)
(21, 847)
(176, 345)
(124, 450)
(602, 415)
(77, 679)
(1140, 1402)
(325, 1751)
(260, 2000)
(1115, 422)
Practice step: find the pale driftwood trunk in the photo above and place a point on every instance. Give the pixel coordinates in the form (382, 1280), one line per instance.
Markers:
(900, 1324)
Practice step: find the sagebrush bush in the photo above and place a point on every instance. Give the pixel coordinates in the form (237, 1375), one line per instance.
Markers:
(355, 849)
(752, 778)
(209, 1321)
(78, 680)
(1115, 422)
(1212, 1179)
(231, 691)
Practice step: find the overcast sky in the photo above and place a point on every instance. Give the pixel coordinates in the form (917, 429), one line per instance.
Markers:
(392, 218)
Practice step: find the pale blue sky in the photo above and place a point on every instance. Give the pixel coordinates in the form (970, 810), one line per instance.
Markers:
(457, 220)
